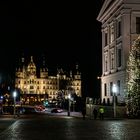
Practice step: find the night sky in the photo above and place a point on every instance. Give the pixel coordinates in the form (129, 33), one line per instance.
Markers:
(66, 33)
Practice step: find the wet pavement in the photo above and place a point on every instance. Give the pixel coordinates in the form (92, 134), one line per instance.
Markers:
(44, 127)
(5, 123)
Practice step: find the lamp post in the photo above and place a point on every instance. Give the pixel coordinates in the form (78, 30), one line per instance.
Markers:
(14, 95)
(90, 103)
(69, 96)
(1, 98)
(114, 89)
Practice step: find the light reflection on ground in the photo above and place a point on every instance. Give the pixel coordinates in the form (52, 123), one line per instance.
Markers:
(71, 128)
(117, 130)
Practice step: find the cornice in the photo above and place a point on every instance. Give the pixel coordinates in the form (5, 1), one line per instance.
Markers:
(105, 13)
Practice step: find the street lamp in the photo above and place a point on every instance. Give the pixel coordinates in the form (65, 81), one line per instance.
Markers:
(90, 103)
(69, 97)
(1, 99)
(114, 90)
(14, 95)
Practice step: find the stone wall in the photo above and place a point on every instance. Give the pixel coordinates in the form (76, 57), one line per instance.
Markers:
(109, 111)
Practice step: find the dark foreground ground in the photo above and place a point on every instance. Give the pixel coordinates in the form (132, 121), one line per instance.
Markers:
(44, 127)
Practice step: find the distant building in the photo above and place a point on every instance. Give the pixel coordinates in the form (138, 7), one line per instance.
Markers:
(39, 88)
(120, 27)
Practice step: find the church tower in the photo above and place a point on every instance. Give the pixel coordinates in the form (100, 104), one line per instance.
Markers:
(76, 83)
(20, 71)
(44, 69)
(77, 74)
(31, 68)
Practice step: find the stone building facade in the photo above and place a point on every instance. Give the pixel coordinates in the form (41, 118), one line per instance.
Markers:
(120, 27)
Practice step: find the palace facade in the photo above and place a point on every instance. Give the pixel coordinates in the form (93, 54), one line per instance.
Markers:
(34, 88)
(120, 27)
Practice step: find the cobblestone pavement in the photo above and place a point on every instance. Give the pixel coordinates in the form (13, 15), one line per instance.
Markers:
(43, 127)
(5, 123)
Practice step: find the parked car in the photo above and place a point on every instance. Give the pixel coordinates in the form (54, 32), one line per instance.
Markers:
(56, 110)
(40, 108)
(27, 110)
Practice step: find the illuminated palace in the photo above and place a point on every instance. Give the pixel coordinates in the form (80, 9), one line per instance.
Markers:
(34, 88)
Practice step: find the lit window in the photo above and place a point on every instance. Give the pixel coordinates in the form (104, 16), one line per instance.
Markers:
(31, 87)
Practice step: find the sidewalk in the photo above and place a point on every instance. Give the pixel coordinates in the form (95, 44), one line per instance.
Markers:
(75, 114)
(6, 115)
(72, 114)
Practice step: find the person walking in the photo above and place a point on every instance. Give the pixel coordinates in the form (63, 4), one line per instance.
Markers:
(95, 112)
(84, 113)
(101, 111)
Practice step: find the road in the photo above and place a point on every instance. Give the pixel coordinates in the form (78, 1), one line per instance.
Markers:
(44, 127)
